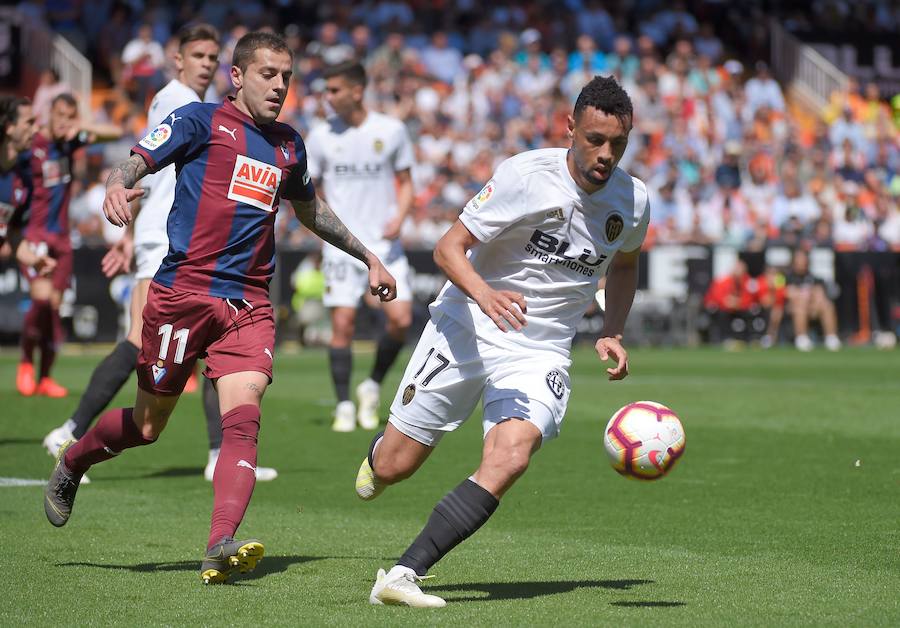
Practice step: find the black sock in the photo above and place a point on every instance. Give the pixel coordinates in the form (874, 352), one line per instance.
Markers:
(385, 356)
(341, 363)
(213, 417)
(372, 449)
(455, 518)
(107, 379)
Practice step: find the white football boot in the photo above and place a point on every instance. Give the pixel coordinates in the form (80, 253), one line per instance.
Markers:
(400, 587)
(368, 394)
(263, 474)
(56, 439)
(344, 417)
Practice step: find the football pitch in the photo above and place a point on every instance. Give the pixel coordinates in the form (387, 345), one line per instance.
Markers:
(784, 509)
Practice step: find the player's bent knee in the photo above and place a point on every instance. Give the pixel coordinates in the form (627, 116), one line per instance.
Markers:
(508, 463)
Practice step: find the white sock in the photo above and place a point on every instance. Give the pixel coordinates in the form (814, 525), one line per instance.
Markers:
(213, 455)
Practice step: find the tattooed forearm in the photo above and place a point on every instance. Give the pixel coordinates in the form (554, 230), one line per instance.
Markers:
(128, 172)
(319, 218)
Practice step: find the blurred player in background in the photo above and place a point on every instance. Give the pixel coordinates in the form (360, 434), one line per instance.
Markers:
(197, 60)
(17, 129)
(50, 166)
(523, 261)
(210, 296)
(363, 159)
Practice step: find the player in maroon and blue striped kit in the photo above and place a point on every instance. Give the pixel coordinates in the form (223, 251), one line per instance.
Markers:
(50, 167)
(210, 295)
(17, 128)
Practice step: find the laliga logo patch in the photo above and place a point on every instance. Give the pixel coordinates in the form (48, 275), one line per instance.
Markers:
(614, 227)
(482, 197)
(159, 371)
(157, 137)
(254, 183)
(556, 383)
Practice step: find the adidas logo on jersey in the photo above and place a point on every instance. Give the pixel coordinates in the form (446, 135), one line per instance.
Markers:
(254, 183)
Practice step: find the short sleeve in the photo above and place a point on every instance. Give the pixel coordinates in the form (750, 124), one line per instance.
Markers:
(404, 157)
(298, 185)
(181, 133)
(499, 204)
(635, 239)
(315, 159)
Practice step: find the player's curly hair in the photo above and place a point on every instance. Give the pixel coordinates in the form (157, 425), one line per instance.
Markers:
(9, 112)
(605, 93)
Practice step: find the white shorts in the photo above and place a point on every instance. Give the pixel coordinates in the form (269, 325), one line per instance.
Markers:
(148, 257)
(347, 279)
(451, 369)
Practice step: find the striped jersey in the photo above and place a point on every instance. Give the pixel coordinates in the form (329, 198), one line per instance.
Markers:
(51, 173)
(231, 174)
(15, 195)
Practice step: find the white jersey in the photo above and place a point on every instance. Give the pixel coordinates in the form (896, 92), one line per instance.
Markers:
(357, 166)
(544, 237)
(150, 226)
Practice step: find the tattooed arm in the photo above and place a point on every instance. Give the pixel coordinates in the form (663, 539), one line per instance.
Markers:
(319, 218)
(120, 190)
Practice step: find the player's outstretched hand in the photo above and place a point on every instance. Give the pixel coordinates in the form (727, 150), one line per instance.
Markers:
(118, 259)
(116, 204)
(381, 283)
(611, 347)
(505, 307)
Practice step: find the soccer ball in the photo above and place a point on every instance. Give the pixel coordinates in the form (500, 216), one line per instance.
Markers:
(644, 440)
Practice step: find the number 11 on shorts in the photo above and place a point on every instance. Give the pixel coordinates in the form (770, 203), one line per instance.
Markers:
(181, 336)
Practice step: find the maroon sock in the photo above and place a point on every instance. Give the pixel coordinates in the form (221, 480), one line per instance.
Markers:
(31, 328)
(235, 474)
(114, 433)
(51, 337)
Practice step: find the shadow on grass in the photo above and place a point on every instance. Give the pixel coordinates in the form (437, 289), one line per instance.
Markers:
(528, 590)
(184, 472)
(267, 566)
(648, 604)
(20, 441)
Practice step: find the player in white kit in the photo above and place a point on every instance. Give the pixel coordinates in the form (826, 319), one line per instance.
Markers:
(197, 60)
(361, 161)
(523, 261)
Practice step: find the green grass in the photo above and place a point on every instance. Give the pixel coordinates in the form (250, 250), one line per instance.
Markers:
(767, 520)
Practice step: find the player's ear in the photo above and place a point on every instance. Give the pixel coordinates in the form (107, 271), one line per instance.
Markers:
(237, 77)
(570, 126)
(179, 61)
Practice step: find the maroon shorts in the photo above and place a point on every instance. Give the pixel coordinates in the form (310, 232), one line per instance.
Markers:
(59, 247)
(181, 327)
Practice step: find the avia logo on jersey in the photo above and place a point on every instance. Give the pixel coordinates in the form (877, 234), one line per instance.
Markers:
(157, 137)
(358, 170)
(551, 250)
(254, 183)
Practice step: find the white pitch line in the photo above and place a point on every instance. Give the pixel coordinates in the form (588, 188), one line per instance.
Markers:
(8, 482)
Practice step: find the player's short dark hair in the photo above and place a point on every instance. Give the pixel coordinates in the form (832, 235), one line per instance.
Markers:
(351, 70)
(9, 112)
(251, 42)
(605, 93)
(65, 97)
(198, 32)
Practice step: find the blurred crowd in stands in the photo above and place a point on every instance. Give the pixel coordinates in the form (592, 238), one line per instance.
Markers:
(726, 157)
